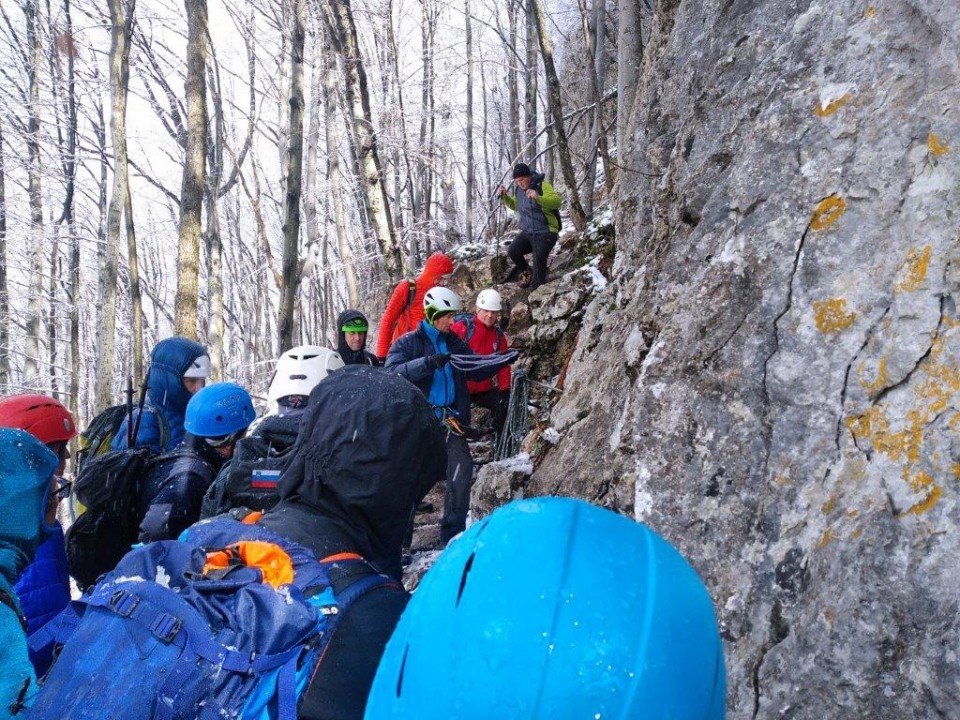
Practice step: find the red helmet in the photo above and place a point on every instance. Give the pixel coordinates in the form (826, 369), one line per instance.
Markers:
(41, 416)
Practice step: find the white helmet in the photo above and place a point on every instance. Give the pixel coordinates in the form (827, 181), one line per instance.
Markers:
(299, 370)
(199, 368)
(489, 300)
(438, 301)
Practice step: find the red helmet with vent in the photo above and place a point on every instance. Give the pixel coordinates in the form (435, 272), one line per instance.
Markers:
(41, 416)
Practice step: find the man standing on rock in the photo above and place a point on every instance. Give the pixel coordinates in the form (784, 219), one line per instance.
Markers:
(538, 206)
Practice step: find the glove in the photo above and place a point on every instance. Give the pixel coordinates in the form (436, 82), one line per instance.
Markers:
(439, 360)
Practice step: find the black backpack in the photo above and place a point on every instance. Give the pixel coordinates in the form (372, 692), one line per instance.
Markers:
(109, 488)
(250, 479)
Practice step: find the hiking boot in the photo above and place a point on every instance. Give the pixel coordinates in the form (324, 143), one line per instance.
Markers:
(515, 274)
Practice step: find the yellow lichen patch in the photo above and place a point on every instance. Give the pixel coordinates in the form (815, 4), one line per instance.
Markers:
(914, 269)
(936, 146)
(831, 315)
(827, 212)
(955, 470)
(851, 514)
(864, 426)
(927, 503)
(880, 379)
(829, 505)
(830, 615)
(855, 535)
(821, 110)
(870, 12)
(826, 538)
(955, 421)
(782, 480)
(921, 482)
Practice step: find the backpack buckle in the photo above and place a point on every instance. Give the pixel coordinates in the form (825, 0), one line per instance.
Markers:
(166, 627)
(123, 603)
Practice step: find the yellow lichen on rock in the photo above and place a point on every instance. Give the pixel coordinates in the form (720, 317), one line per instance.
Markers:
(821, 110)
(827, 212)
(936, 146)
(831, 315)
(921, 482)
(879, 380)
(870, 12)
(914, 270)
(826, 538)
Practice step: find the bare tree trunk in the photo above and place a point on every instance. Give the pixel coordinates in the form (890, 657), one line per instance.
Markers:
(311, 222)
(344, 37)
(133, 269)
(428, 32)
(31, 368)
(214, 244)
(335, 179)
(530, 82)
(513, 110)
(290, 272)
(556, 110)
(471, 172)
(4, 297)
(194, 172)
(629, 57)
(121, 22)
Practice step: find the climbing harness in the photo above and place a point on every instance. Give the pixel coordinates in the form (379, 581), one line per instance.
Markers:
(517, 424)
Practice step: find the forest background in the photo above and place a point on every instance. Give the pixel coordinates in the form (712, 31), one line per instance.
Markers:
(239, 172)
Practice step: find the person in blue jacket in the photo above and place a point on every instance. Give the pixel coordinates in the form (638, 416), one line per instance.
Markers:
(26, 469)
(178, 369)
(422, 356)
(43, 588)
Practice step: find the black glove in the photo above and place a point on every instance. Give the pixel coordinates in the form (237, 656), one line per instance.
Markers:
(439, 360)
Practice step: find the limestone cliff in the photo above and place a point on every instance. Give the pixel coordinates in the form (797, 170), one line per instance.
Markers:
(771, 380)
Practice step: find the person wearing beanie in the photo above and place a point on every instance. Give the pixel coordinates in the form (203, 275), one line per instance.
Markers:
(404, 311)
(352, 327)
(537, 206)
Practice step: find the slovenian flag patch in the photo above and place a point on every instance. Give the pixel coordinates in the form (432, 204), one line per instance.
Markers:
(264, 478)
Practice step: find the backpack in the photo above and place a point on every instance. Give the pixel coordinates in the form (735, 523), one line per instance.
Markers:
(110, 487)
(467, 319)
(98, 436)
(555, 212)
(250, 479)
(233, 621)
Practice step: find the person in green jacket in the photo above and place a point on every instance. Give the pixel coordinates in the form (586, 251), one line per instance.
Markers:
(538, 206)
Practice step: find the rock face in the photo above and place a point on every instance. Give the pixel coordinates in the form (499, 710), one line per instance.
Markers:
(772, 379)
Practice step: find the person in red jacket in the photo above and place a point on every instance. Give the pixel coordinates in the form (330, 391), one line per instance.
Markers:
(405, 309)
(483, 334)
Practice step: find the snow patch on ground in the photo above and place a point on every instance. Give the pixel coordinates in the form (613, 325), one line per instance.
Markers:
(163, 579)
(551, 435)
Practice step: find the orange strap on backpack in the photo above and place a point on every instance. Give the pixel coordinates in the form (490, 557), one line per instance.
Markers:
(272, 561)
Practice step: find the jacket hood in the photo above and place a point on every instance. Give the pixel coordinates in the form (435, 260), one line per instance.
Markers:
(437, 264)
(368, 450)
(168, 362)
(28, 465)
(348, 355)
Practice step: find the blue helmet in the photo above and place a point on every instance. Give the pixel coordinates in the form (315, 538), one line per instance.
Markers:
(219, 410)
(552, 607)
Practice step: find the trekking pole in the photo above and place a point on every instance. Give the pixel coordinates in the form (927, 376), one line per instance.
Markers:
(130, 411)
(143, 397)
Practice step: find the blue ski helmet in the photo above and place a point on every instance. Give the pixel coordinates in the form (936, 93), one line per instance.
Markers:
(219, 410)
(554, 608)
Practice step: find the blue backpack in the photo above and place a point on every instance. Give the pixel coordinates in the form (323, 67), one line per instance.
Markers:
(166, 636)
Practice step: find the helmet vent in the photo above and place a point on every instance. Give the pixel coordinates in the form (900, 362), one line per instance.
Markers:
(403, 665)
(463, 577)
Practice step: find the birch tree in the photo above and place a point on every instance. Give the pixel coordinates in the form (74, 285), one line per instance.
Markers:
(4, 297)
(33, 60)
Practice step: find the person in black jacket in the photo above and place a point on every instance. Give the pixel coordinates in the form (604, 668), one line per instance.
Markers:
(369, 449)
(423, 357)
(352, 327)
(172, 493)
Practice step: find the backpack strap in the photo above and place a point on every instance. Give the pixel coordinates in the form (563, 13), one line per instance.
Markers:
(413, 293)
(57, 631)
(352, 577)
